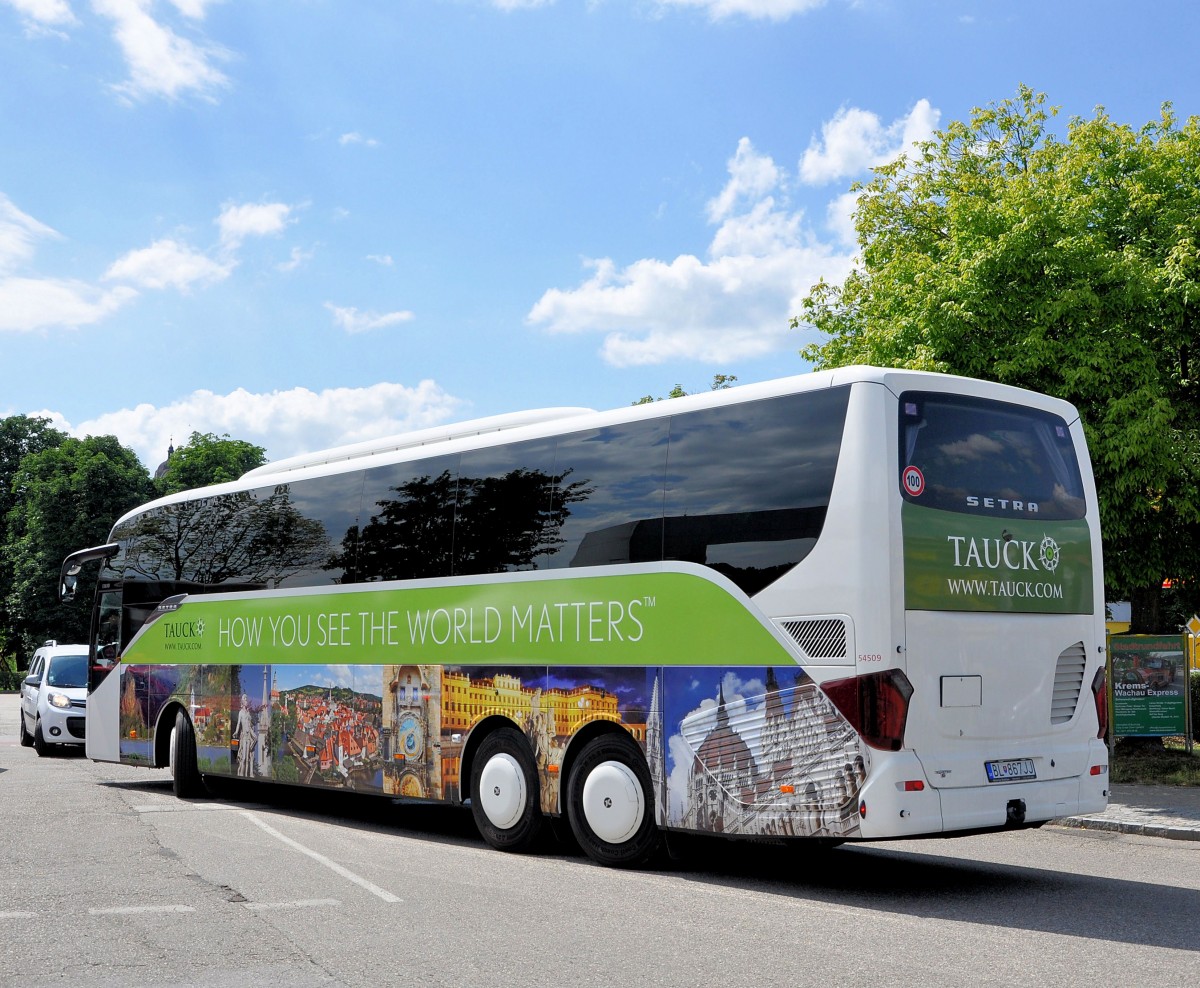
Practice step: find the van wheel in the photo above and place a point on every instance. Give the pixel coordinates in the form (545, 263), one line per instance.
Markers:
(505, 791)
(39, 740)
(610, 803)
(186, 780)
(26, 737)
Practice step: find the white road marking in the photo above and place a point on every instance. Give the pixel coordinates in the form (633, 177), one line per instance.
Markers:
(297, 904)
(17, 915)
(346, 873)
(181, 807)
(129, 910)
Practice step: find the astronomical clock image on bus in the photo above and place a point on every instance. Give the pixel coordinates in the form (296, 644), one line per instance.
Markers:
(759, 753)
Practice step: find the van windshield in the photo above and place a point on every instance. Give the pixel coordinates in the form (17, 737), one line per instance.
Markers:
(67, 671)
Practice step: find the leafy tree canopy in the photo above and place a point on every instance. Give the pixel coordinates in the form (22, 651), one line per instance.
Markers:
(208, 459)
(19, 436)
(719, 383)
(65, 498)
(1068, 266)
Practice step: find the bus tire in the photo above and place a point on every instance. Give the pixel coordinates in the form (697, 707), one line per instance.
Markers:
(505, 791)
(186, 780)
(610, 803)
(26, 737)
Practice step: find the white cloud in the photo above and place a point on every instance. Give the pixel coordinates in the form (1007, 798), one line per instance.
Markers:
(285, 423)
(736, 304)
(384, 260)
(167, 264)
(19, 232)
(840, 218)
(751, 176)
(38, 303)
(43, 16)
(856, 140)
(160, 62)
(763, 259)
(353, 321)
(520, 4)
(237, 222)
(298, 258)
(356, 138)
(773, 10)
(195, 9)
(31, 303)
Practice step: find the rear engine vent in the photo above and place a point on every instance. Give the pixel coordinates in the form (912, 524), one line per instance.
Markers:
(1068, 681)
(819, 638)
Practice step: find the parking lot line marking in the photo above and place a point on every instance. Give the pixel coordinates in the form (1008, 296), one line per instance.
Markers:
(296, 904)
(130, 910)
(178, 807)
(346, 873)
(18, 915)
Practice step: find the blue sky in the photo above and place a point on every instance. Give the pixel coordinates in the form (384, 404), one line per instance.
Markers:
(321, 221)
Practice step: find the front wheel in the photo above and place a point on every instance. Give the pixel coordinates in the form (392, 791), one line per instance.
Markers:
(505, 791)
(40, 745)
(610, 803)
(186, 780)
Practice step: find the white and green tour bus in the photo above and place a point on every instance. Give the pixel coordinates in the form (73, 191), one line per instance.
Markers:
(851, 605)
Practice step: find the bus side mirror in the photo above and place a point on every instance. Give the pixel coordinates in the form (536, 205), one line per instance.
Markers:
(69, 573)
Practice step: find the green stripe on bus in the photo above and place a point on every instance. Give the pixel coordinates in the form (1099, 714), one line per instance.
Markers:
(654, 618)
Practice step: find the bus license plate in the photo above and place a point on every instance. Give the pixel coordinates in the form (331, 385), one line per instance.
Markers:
(1010, 770)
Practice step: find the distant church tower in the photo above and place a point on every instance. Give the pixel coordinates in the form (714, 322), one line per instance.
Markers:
(162, 467)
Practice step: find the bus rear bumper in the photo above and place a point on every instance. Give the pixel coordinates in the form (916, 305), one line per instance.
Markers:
(899, 800)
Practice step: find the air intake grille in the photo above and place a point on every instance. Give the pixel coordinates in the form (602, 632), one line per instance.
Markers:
(1068, 681)
(819, 638)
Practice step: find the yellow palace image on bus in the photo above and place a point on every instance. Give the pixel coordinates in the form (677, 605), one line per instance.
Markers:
(852, 605)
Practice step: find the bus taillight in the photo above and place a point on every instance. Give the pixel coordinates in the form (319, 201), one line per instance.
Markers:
(876, 705)
(1100, 695)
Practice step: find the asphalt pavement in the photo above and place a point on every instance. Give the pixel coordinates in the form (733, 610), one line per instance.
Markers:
(1153, 811)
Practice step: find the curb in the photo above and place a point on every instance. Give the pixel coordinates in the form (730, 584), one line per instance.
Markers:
(1125, 827)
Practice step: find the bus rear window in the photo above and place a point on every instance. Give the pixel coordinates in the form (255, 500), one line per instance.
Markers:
(985, 457)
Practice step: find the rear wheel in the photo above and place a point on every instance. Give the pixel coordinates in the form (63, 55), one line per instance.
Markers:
(505, 791)
(610, 803)
(26, 737)
(186, 780)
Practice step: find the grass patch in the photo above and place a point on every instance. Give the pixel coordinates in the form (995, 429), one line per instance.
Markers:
(1138, 760)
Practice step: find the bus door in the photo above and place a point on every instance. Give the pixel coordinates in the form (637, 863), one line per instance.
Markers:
(104, 680)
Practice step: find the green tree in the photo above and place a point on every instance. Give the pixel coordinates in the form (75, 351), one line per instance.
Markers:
(208, 459)
(719, 383)
(1068, 266)
(19, 436)
(66, 498)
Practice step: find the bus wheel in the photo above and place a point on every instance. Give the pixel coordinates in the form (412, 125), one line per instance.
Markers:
(186, 779)
(505, 793)
(610, 803)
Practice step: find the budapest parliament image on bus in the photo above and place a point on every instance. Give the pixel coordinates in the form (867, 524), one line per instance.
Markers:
(850, 605)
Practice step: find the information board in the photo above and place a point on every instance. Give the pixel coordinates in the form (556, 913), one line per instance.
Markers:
(1149, 686)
